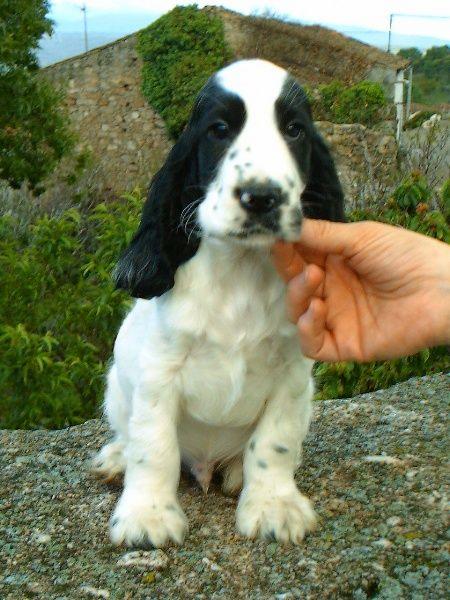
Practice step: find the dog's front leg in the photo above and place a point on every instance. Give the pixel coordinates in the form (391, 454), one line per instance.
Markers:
(148, 512)
(270, 505)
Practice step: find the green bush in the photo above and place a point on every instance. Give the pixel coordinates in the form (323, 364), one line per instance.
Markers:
(329, 98)
(59, 312)
(347, 379)
(181, 50)
(363, 103)
(408, 207)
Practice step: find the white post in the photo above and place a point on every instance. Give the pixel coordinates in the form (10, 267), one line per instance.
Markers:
(409, 92)
(398, 99)
(83, 10)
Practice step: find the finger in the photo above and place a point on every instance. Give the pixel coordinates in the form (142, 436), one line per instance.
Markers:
(301, 289)
(288, 261)
(331, 238)
(315, 340)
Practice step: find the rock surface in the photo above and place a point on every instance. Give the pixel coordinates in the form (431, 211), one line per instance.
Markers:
(373, 466)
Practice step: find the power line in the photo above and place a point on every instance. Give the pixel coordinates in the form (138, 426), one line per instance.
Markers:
(414, 16)
(420, 16)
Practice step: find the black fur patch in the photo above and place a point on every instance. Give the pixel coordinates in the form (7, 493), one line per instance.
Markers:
(163, 242)
(323, 197)
(280, 449)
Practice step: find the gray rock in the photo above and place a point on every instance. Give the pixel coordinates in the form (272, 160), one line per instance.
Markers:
(381, 533)
(148, 559)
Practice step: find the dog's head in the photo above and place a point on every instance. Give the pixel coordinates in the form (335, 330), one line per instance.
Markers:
(247, 167)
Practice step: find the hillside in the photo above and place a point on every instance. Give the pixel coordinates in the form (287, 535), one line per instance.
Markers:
(312, 53)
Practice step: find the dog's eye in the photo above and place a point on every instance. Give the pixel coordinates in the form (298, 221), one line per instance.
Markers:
(219, 130)
(295, 130)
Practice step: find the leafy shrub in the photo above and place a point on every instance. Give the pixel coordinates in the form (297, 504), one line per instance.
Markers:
(408, 207)
(180, 50)
(60, 312)
(329, 98)
(34, 131)
(347, 379)
(362, 103)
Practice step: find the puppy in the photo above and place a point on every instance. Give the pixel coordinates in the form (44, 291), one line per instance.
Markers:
(207, 369)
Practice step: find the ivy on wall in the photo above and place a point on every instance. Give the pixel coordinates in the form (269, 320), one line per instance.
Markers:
(180, 50)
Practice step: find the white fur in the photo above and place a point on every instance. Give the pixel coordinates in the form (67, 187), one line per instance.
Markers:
(211, 373)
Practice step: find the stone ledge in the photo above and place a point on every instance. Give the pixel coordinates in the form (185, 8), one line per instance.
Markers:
(373, 467)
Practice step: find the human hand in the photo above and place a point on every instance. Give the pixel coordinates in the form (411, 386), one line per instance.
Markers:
(365, 291)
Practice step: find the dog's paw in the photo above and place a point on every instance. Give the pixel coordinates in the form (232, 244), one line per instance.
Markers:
(284, 517)
(109, 463)
(153, 522)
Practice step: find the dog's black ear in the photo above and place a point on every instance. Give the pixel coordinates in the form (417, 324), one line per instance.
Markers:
(323, 197)
(147, 267)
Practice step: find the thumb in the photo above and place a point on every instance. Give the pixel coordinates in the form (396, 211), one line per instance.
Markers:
(331, 238)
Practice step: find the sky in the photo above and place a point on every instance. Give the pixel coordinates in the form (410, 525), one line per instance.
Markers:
(107, 15)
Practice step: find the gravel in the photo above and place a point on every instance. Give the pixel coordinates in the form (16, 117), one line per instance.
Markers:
(373, 466)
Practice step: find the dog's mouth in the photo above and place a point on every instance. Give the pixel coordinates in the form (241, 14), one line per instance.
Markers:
(249, 230)
(270, 229)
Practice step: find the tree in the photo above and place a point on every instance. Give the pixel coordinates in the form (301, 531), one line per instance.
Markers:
(412, 54)
(431, 81)
(436, 63)
(34, 133)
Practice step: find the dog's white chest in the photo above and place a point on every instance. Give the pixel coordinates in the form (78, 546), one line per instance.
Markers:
(228, 387)
(233, 327)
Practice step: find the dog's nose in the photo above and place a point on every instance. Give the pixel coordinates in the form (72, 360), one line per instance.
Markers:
(259, 199)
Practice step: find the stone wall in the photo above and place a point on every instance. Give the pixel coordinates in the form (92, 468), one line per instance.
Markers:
(126, 136)
(366, 160)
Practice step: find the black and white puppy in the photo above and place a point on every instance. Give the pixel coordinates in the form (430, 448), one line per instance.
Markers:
(207, 369)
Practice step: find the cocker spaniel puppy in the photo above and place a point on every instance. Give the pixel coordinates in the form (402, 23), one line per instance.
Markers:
(207, 369)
